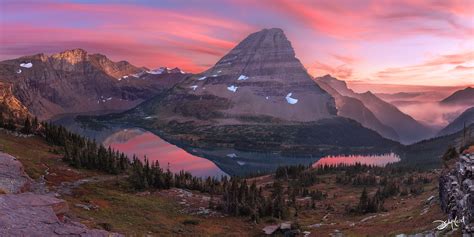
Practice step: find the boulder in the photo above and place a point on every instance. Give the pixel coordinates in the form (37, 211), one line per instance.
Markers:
(13, 178)
(29, 214)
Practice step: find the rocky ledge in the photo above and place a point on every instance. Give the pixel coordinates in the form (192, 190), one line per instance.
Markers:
(456, 192)
(26, 213)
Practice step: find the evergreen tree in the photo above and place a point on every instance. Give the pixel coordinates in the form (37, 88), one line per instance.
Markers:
(26, 126)
(2, 120)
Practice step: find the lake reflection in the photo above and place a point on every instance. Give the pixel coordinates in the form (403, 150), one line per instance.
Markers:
(143, 143)
(377, 160)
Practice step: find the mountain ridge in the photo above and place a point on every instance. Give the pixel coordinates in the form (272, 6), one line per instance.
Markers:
(74, 81)
(408, 129)
(464, 119)
(460, 97)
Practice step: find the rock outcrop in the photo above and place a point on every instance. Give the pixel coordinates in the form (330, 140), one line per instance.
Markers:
(75, 81)
(24, 213)
(456, 192)
(12, 176)
(10, 106)
(29, 214)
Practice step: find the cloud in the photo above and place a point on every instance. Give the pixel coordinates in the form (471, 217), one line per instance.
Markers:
(449, 68)
(341, 71)
(144, 35)
(377, 19)
(344, 58)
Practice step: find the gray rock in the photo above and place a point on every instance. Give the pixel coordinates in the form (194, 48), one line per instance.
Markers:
(456, 192)
(12, 176)
(29, 214)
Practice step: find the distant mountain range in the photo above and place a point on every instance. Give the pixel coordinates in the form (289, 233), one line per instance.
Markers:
(353, 108)
(375, 113)
(74, 81)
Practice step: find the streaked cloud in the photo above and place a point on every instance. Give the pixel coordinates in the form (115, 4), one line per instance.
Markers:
(376, 41)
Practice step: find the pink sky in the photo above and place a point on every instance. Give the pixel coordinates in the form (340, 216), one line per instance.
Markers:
(410, 42)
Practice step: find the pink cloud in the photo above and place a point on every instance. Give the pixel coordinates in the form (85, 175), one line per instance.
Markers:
(341, 71)
(145, 36)
(373, 20)
(441, 69)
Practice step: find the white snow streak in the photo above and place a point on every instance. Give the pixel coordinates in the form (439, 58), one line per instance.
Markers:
(291, 100)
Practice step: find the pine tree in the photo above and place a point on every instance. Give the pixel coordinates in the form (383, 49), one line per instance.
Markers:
(363, 201)
(35, 123)
(2, 120)
(27, 126)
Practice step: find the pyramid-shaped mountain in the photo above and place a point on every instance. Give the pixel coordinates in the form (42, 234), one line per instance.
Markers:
(260, 79)
(257, 96)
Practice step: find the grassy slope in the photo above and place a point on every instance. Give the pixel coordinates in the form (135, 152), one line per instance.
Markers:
(126, 212)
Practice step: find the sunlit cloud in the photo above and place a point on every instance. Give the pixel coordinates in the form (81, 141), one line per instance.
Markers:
(441, 68)
(146, 36)
(375, 41)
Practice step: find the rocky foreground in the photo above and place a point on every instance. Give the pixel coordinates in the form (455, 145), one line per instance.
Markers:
(25, 213)
(456, 192)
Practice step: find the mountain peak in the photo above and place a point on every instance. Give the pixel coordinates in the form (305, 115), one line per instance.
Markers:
(266, 52)
(72, 56)
(464, 96)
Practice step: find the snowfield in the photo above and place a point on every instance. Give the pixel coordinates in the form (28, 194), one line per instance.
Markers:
(290, 100)
(242, 78)
(26, 65)
(232, 88)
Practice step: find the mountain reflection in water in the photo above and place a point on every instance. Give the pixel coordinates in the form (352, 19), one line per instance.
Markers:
(143, 143)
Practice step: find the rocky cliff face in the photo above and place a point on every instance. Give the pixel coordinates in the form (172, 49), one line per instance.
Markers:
(75, 82)
(456, 192)
(10, 106)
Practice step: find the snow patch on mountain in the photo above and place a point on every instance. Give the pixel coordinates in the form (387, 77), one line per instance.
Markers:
(291, 100)
(26, 65)
(242, 78)
(232, 88)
